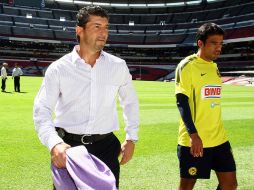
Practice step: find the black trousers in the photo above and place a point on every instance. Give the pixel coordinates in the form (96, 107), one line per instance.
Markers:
(3, 84)
(106, 150)
(17, 84)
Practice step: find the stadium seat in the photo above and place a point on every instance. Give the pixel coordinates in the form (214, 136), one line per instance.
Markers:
(45, 14)
(11, 10)
(60, 13)
(33, 33)
(5, 30)
(6, 20)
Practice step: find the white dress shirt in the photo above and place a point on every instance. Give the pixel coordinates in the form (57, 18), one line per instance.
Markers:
(17, 72)
(3, 73)
(83, 98)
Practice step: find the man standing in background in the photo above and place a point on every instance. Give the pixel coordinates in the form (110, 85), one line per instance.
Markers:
(16, 72)
(4, 76)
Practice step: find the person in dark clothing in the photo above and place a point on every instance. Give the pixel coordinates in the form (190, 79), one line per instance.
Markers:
(16, 72)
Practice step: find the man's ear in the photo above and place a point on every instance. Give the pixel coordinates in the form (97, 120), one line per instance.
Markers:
(78, 30)
(200, 44)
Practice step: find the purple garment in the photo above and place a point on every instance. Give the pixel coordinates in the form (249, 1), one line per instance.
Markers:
(83, 171)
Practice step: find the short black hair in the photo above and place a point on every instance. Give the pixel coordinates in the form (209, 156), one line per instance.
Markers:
(208, 29)
(87, 11)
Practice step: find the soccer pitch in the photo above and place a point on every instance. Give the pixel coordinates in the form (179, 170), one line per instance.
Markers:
(24, 162)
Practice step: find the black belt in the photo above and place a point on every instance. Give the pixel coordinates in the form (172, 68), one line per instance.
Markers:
(84, 139)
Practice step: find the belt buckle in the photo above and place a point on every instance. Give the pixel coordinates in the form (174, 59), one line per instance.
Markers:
(83, 141)
(60, 132)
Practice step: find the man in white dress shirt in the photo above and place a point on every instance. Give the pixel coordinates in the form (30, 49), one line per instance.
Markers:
(16, 72)
(81, 89)
(4, 76)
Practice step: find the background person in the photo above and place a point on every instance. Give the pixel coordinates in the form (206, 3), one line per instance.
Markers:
(202, 141)
(4, 76)
(81, 87)
(16, 72)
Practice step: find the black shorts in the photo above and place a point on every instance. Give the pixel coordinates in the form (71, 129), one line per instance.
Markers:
(219, 159)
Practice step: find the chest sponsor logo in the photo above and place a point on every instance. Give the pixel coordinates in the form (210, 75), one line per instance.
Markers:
(211, 91)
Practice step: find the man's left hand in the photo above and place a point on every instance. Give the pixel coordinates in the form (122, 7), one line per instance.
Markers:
(127, 151)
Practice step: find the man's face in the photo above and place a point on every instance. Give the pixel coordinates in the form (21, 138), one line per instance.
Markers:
(95, 34)
(211, 49)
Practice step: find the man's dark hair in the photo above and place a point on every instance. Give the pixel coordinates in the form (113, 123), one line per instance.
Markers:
(91, 10)
(208, 29)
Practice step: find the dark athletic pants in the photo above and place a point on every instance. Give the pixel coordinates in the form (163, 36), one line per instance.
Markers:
(17, 84)
(106, 150)
(3, 84)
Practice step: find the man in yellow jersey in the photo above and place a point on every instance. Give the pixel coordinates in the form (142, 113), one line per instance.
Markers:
(202, 141)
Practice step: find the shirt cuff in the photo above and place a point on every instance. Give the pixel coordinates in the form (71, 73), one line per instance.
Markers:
(53, 141)
(133, 136)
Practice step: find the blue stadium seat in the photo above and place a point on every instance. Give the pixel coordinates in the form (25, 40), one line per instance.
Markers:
(61, 13)
(5, 30)
(248, 8)
(147, 19)
(126, 39)
(190, 39)
(181, 18)
(6, 20)
(65, 35)
(19, 19)
(165, 39)
(24, 12)
(45, 14)
(33, 33)
(116, 19)
(61, 23)
(11, 10)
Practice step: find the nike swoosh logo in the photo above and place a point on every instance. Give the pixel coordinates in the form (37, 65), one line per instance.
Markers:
(202, 74)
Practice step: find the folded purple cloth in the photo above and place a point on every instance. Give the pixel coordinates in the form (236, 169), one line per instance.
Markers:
(83, 171)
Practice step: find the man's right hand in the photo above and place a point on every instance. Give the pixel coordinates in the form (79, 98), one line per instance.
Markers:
(58, 155)
(196, 145)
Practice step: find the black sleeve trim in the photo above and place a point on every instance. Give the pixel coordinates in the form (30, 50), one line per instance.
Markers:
(184, 109)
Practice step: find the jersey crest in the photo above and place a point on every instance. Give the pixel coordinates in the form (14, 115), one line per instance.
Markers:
(211, 91)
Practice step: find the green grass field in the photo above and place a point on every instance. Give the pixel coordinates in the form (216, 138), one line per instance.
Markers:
(24, 162)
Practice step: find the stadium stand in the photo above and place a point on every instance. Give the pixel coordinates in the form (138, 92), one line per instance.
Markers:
(152, 39)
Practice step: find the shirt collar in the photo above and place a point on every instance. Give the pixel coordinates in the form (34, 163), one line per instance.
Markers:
(76, 58)
(75, 55)
(202, 61)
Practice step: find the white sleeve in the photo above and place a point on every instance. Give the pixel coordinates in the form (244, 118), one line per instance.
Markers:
(129, 102)
(20, 71)
(44, 105)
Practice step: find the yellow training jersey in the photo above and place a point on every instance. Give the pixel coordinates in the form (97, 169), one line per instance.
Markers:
(200, 81)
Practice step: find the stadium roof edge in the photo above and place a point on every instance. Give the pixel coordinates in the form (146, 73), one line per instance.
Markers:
(152, 4)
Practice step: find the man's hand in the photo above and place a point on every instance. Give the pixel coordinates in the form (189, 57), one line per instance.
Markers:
(58, 155)
(127, 151)
(196, 145)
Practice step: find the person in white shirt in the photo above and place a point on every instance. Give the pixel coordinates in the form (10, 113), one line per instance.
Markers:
(4, 76)
(81, 88)
(16, 72)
